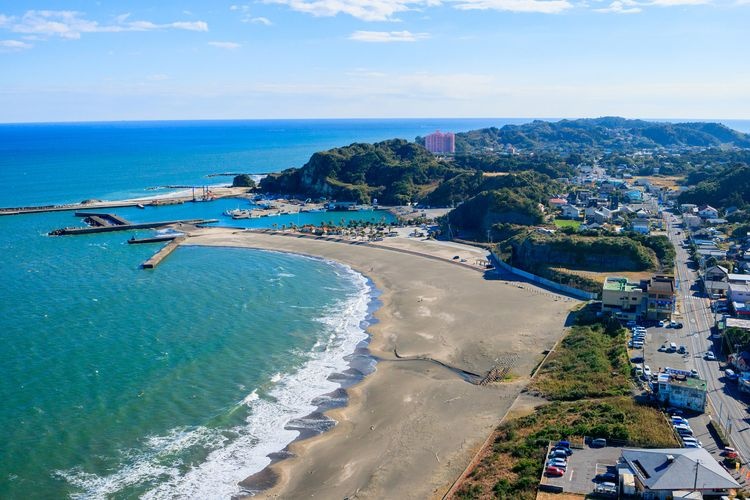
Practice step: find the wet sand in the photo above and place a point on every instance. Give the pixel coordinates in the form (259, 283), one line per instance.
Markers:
(411, 427)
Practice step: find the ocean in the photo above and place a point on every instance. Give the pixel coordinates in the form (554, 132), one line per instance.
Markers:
(178, 382)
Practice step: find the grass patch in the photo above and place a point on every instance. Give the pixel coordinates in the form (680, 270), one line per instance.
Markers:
(562, 223)
(588, 363)
(511, 467)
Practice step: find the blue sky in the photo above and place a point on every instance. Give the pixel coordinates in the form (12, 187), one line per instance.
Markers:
(76, 60)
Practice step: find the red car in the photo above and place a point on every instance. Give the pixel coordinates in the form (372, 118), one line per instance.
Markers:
(554, 471)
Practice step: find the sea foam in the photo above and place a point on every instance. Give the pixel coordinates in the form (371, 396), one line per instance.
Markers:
(241, 451)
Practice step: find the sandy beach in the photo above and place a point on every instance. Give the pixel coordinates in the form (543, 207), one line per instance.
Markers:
(411, 427)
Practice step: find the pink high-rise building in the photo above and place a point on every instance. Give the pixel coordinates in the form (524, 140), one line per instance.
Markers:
(440, 143)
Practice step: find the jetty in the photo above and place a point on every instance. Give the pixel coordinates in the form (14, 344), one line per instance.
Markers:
(68, 231)
(162, 254)
(155, 239)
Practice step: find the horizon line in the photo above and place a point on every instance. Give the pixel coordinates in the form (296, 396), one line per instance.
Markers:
(332, 119)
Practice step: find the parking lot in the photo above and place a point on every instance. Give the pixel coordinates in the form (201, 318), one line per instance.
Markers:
(656, 359)
(657, 337)
(583, 465)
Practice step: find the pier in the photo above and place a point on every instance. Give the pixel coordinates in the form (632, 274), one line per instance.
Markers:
(162, 254)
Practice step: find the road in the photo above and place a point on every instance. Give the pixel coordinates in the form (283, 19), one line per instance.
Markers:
(726, 400)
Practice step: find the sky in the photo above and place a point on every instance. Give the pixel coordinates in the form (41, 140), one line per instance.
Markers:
(67, 60)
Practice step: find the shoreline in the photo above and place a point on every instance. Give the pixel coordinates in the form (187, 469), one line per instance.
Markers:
(397, 436)
(360, 362)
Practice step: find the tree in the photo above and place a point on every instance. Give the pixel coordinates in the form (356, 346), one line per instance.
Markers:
(243, 180)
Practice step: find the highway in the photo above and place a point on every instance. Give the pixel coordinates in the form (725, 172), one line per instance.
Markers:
(726, 400)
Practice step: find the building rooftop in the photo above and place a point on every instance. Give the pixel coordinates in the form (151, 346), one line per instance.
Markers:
(678, 469)
(662, 284)
(739, 277)
(619, 284)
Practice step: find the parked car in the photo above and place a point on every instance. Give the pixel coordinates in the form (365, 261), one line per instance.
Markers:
(678, 325)
(730, 375)
(691, 445)
(660, 323)
(631, 323)
(691, 440)
(554, 471)
(606, 477)
(709, 356)
(662, 348)
(558, 462)
(694, 373)
(558, 454)
(563, 443)
(676, 420)
(599, 443)
(647, 371)
(564, 449)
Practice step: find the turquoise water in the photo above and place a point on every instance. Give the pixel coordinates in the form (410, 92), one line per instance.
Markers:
(119, 381)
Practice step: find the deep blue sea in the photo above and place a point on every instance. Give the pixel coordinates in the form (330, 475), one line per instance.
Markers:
(178, 382)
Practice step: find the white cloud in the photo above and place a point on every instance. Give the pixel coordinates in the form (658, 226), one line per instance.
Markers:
(387, 36)
(674, 3)
(366, 10)
(225, 45)
(70, 25)
(13, 45)
(247, 17)
(4, 20)
(621, 7)
(539, 6)
(261, 20)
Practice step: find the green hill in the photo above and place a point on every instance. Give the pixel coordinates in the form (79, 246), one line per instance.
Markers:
(394, 171)
(608, 133)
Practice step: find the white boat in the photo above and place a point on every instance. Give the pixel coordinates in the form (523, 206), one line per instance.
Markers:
(243, 214)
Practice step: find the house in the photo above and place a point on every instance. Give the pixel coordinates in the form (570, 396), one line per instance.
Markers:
(715, 280)
(692, 221)
(557, 202)
(634, 196)
(688, 208)
(716, 222)
(641, 226)
(600, 216)
(662, 473)
(738, 278)
(642, 214)
(739, 293)
(570, 212)
(708, 212)
(677, 388)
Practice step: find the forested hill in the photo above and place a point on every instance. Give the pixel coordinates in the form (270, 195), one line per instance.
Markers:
(608, 133)
(394, 172)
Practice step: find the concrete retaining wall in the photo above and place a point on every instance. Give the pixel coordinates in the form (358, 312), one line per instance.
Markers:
(568, 290)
